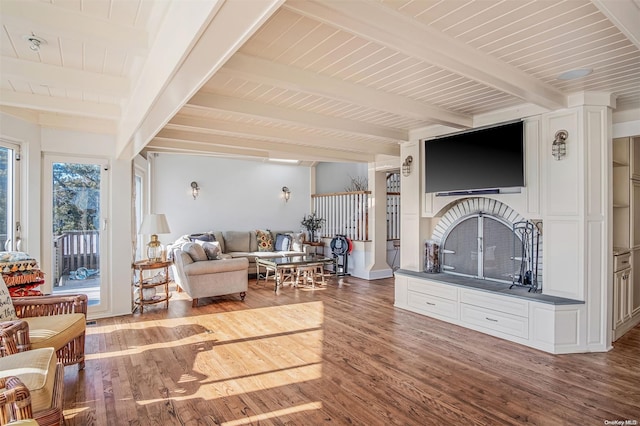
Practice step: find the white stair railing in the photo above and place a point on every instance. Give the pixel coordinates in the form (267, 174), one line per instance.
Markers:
(345, 213)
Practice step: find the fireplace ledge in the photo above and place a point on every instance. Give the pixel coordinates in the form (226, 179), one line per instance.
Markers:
(490, 287)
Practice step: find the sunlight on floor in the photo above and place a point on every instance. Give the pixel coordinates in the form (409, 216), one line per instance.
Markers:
(274, 414)
(230, 353)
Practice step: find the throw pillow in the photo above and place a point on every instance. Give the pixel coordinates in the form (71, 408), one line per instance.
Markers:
(297, 241)
(7, 311)
(212, 250)
(265, 240)
(196, 251)
(283, 242)
(203, 236)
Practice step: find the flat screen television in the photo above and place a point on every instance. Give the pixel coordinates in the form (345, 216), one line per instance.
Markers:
(483, 159)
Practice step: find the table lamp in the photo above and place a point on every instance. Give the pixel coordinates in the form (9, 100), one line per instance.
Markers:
(155, 224)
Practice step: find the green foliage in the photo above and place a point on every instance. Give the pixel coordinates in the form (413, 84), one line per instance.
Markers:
(76, 197)
(312, 223)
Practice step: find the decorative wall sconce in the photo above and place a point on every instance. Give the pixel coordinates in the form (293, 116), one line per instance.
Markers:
(406, 166)
(286, 193)
(559, 145)
(195, 189)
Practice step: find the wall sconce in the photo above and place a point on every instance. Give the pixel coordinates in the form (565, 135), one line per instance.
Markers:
(286, 193)
(406, 166)
(195, 189)
(559, 145)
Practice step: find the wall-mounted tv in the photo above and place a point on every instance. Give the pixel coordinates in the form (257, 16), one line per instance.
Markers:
(482, 159)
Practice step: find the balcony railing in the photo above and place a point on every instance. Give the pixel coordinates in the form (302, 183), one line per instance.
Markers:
(74, 250)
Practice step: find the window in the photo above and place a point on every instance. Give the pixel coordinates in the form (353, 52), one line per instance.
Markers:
(9, 196)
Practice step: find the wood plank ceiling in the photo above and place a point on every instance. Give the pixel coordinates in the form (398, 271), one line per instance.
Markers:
(309, 80)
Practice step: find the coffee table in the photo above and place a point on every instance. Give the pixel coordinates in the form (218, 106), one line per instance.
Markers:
(285, 268)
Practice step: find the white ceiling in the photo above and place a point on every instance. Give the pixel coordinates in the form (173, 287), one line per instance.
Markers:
(309, 80)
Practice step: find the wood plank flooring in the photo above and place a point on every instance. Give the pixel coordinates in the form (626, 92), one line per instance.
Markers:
(339, 355)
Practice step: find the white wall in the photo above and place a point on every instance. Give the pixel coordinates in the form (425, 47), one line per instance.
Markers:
(335, 177)
(234, 194)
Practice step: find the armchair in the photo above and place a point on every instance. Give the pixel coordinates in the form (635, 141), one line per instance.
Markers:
(52, 321)
(31, 382)
(15, 400)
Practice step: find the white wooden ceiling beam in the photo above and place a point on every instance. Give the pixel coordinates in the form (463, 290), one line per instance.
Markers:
(65, 78)
(74, 25)
(65, 106)
(178, 145)
(288, 135)
(209, 34)
(305, 152)
(625, 15)
(296, 117)
(268, 72)
(382, 25)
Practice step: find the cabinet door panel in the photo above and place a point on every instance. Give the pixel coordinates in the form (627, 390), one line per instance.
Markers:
(635, 152)
(636, 213)
(635, 281)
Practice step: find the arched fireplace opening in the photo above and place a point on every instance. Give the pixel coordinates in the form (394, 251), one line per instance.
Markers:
(485, 239)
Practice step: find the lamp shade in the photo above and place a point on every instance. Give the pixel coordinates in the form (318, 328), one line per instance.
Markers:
(154, 224)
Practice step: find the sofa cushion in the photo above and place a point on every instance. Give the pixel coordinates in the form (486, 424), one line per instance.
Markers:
(282, 242)
(265, 240)
(7, 311)
(37, 371)
(196, 251)
(236, 241)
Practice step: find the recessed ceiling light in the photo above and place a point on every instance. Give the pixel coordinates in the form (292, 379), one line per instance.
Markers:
(283, 160)
(574, 74)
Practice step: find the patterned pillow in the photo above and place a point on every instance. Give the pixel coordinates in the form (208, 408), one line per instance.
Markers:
(265, 240)
(283, 242)
(297, 240)
(7, 311)
(211, 249)
(196, 251)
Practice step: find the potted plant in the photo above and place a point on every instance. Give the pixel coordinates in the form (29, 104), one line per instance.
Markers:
(311, 224)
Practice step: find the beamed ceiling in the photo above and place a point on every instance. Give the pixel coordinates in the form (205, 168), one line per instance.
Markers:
(317, 80)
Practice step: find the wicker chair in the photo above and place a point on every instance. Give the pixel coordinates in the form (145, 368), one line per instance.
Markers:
(32, 386)
(52, 321)
(15, 400)
(57, 321)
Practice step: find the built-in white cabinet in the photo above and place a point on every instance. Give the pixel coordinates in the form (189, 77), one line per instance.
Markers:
(626, 235)
(622, 297)
(543, 322)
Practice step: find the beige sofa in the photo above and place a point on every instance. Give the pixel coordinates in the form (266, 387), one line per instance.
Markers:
(201, 277)
(250, 245)
(218, 263)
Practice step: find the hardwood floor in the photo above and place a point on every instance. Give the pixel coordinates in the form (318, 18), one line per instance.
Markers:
(337, 355)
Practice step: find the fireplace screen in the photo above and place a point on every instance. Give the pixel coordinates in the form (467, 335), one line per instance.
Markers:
(480, 246)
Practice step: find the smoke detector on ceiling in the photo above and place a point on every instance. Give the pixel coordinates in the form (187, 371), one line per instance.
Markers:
(34, 41)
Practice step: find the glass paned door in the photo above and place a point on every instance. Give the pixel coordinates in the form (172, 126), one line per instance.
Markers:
(77, 225)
